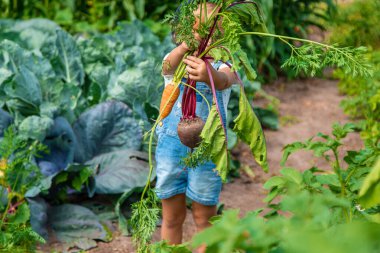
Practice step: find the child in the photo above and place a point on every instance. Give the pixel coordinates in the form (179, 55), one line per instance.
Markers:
(202, 184)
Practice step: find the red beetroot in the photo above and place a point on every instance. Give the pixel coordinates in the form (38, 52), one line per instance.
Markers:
(189, 131)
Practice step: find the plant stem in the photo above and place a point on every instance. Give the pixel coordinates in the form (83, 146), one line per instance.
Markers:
(281, 37)
(351, 174)
(147, 186)
(195, 89)
(5, 214)
(9, 199)
(288, 38)
(338, 171)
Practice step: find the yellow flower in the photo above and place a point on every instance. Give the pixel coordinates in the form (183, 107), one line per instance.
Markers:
(1, 174)
(3, 164)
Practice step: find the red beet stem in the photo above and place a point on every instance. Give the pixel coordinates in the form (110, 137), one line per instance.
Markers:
(189, 99)
(208, 66)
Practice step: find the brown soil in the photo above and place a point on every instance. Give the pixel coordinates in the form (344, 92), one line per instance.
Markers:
(307, 107)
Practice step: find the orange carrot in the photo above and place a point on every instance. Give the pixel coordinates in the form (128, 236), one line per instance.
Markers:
(168, 100)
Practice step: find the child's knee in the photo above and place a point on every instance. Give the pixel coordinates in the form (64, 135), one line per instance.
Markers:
(201, 221)
(202, 215)
(174, 220)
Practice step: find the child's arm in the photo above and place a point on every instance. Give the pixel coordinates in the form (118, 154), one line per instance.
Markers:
(171, 62)
(197, 70)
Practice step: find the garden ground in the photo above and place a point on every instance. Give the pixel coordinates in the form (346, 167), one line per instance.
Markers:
(307, 107)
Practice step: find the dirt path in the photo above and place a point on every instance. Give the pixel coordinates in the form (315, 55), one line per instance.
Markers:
(308, 107)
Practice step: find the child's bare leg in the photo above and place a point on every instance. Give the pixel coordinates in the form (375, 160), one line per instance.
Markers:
(202, 215)
(173, 216)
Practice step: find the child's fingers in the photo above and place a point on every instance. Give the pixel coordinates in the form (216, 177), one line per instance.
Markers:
(195, 59)
(191, 63)
(191, 71)
(194, 77)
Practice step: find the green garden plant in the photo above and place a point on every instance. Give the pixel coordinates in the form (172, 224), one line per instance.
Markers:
(343, 179)
(363, 100)
(60, 90)
(353, 27)
(89, 16)
(18, 174)
(318, 210)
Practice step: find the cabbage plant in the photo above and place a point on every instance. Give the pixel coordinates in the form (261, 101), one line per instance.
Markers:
(89, 101)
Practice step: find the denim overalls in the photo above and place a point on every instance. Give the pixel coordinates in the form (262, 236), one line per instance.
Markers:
(201, 184)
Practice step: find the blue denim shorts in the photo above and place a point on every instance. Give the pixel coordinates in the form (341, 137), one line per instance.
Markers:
(201, 184)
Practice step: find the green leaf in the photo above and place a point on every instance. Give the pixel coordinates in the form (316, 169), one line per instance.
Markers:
(273, 182)
(320, 148)
(214, 136)
(61, 177)
(232, 139)
(5, 121)
(340, 131)
(369, 194)
(220, 230)
(123, 222)
(331, 180)
(24, 86)
(73, 223)
(248, 128)
(308, 177)
(64, 17)
(35, 127)
(60, 141)
(272, 194)
(290, 149)
(49, 109)
(131, 83)
(13, 56)
(42, 186)
(66, 59)
(248, 70)
(34, 33)
(248, 14)
(120, 171)
(21, 216)
(106, 127)
(4, 75)
(292, 175)
(219, 54)
(164, 247)
(38, 215)
(81, 179)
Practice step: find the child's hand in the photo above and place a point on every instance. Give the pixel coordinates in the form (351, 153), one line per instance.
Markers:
(197, 69)
(184, 47)
(223, 78)
(171, 62)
